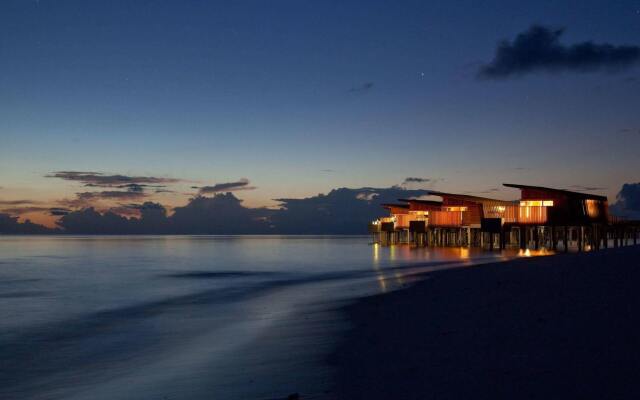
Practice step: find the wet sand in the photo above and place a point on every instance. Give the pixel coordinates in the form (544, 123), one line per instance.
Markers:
(565, 326)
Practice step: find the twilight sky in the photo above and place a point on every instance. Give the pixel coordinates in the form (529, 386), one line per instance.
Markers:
(292, 98)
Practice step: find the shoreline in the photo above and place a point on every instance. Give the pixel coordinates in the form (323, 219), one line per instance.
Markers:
(542, 327)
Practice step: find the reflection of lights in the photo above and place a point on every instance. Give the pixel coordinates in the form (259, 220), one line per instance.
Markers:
(383, 283)
(464, 253)
(534, 253)
(399, 278)
(376, 266)
(524, 253)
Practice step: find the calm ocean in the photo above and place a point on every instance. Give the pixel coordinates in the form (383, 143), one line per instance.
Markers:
(186, 317)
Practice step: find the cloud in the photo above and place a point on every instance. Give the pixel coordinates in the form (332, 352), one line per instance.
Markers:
(11, 225)
(486, 191)
(220, 214)
(19, 210)
(137, 187)
(582, 188)
(88, 199)
(367, 196)
(17, 202)
(415, 180)
(539, 49)
(110, 195)
(363, 88)
(627, 131)
(341, 211)
(242, 184)
(59, 211)
(627, 201)
(97, 179)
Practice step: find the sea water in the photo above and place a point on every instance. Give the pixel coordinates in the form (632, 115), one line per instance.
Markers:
(188, 317)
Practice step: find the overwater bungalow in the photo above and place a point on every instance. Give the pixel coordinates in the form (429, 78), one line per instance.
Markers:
(542, 217)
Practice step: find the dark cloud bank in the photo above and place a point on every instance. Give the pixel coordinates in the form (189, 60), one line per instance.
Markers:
(341, 211)
(628, 201)
(97, 179)
(539, 49)
(242, 184)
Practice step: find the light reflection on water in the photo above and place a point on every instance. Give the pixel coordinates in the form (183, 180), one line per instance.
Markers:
(420, 260)
(187, 316)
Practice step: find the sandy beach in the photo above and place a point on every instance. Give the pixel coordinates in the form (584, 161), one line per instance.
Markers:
(565, 326)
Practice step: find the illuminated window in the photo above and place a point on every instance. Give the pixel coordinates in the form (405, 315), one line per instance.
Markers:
(420, 213)
(592, 208)
(536, 203)
(456, 208)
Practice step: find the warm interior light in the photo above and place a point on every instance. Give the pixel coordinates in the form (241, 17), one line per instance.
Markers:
(536, 203)
(456, 208)
(593, 211)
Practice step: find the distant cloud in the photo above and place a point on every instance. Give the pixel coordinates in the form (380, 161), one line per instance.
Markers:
(539, 49)
(110, 194)
(363, 88)
(582, 188)
(19, 210)
(628, 131)
(627, 201)
(367, 196)
(487, 191)
(137, 187)
(341, 211)
(10, 225)
(412, 179)
(97, 179)
(328, 170)
(58, 211)
(17, 202)
(242, 184)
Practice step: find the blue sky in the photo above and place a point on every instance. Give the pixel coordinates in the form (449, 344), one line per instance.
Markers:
(279, 92)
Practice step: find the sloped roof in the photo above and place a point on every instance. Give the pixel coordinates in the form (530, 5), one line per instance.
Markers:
(427, 202)
(581, 195)
(389, 205)
(468, 197)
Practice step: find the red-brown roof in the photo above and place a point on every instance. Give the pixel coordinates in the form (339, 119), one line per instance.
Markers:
(581, 195)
